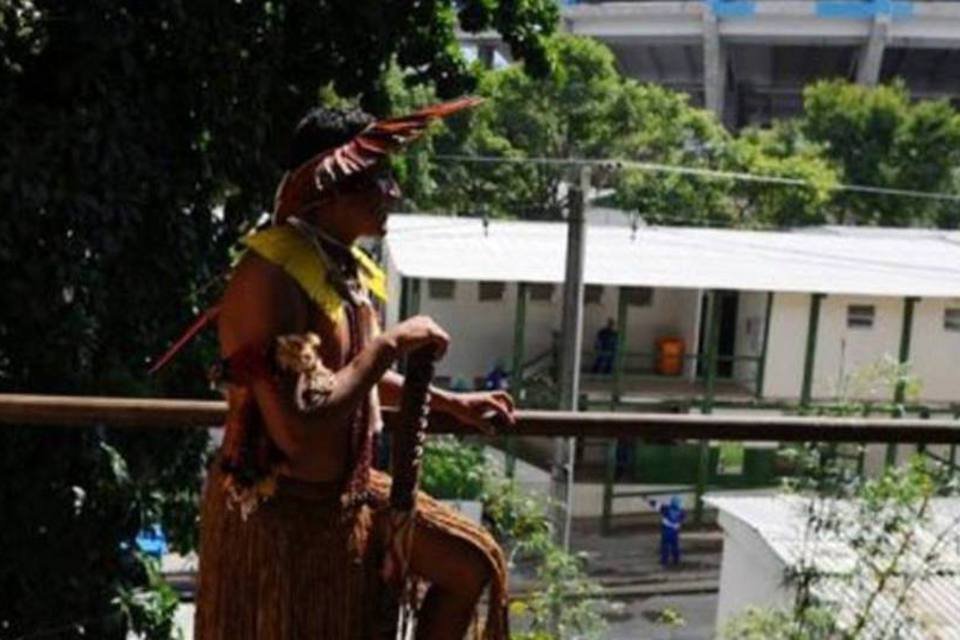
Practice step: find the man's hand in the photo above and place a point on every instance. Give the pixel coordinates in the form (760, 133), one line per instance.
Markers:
(484, 410)
(414, 333)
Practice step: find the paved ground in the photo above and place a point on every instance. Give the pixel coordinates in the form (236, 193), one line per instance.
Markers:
(627, 564)
(698, 612)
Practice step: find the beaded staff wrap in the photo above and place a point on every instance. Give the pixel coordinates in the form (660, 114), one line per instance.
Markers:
(399, 601)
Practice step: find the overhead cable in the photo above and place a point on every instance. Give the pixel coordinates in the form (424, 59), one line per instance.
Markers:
(655, 167)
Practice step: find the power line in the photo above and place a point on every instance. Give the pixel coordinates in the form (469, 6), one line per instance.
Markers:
(655, 167)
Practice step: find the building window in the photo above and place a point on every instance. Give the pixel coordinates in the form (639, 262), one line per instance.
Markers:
(491, 291)
(441, 289)
(541, 292)
(593, 294)
(951, 319)
(638, 296)
(860, 316)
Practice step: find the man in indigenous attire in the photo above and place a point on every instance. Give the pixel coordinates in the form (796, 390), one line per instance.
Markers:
(295, 540)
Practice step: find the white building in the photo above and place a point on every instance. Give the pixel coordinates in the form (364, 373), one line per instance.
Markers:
(859, 287)
(765, 537)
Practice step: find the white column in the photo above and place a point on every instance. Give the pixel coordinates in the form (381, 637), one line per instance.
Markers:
(870, 59)
(714, 64)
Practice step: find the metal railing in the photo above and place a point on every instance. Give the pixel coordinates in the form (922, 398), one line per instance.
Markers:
(25, 410)
(78, 411)
(645, 361)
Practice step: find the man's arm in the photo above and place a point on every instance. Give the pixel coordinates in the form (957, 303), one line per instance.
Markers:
(481, 410)
(261, 303)
(391, 389)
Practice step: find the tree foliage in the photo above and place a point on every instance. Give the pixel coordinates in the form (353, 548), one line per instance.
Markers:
(781, 152)
(585, 109)
(582, 109)
(139, 140)
(658, 126)
(878, 136)
(563, 114)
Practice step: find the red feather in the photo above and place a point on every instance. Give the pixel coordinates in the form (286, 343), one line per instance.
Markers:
(364, 151)
(196, 327)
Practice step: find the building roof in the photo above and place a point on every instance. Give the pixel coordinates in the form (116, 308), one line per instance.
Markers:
(879, 263)
(932, 609)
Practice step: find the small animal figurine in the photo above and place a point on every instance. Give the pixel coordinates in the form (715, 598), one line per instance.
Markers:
(300, 354)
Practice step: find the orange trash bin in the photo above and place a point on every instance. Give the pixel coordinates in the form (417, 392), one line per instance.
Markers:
(670, 352)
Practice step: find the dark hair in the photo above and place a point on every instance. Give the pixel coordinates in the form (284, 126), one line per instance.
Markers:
(324, 128)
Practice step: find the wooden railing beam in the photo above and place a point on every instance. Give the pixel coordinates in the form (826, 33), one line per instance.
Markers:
(79, 411)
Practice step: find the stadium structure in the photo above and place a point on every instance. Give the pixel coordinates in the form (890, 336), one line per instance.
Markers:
(748, 60)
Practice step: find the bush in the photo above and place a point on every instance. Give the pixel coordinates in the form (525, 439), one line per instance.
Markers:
(453, 470)
(566, 603)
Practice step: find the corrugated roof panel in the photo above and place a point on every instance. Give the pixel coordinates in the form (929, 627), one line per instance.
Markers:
(931, 605)
(930, 609)
(881, 264)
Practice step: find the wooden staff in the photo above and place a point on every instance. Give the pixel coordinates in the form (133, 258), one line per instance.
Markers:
(398, 615)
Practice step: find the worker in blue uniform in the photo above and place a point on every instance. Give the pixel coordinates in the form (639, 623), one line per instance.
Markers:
(605, 347)
(672, 515)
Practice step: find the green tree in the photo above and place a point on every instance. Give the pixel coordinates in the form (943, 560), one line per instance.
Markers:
(879, 137)
(781, 152)
(585, 109)
(658, 126)
(582, 109)
(139, 141)
(564, 114)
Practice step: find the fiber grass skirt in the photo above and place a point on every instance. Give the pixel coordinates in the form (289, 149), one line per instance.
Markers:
(301, 567)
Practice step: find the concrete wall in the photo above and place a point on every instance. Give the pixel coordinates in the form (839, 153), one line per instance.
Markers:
(844, 353)
(673, 312)
(934, 351)
(750, 573)
(788, 329)
(483, 331)
(749, 61)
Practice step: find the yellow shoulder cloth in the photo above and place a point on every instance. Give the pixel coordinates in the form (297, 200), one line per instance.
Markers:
(287, 248)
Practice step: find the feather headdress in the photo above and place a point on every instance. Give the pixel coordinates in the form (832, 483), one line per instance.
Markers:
(305, 184)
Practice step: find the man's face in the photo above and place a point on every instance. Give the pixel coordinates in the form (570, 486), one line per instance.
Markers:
(367, 200)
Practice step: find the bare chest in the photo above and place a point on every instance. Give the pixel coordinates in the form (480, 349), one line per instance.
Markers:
(335, 340)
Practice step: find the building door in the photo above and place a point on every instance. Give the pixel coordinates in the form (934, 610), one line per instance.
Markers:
(729, 301)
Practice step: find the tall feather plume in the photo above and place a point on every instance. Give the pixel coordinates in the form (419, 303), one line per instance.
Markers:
(365, 150)
(305, 183)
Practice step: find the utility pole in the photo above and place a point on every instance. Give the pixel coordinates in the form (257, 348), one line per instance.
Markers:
(571, 337)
